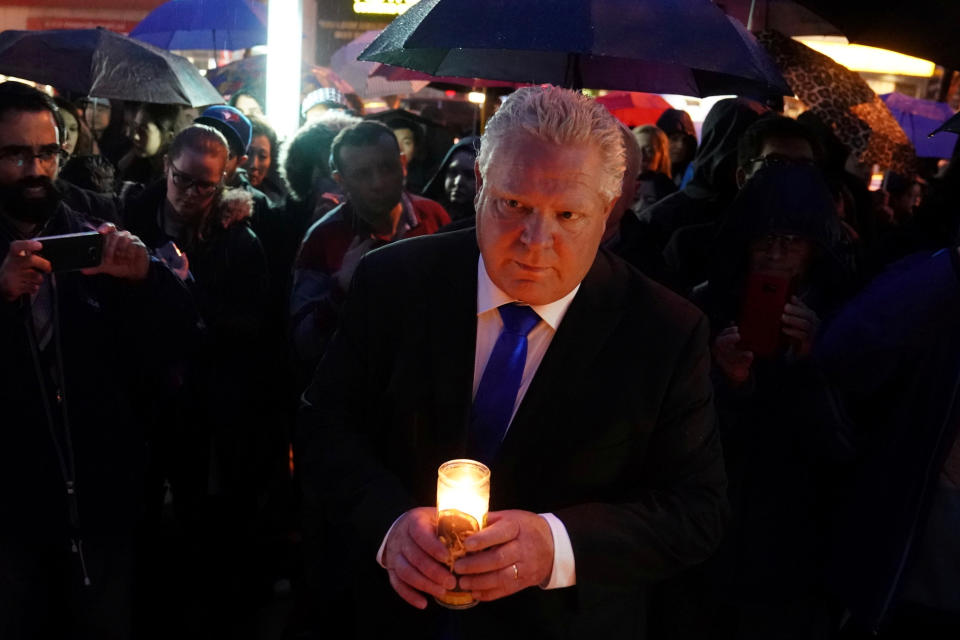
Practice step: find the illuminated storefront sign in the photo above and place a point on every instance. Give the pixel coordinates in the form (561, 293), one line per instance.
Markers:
(383, 7)
(868, 59)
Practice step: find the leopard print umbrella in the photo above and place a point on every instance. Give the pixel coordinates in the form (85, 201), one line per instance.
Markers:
(843, 100)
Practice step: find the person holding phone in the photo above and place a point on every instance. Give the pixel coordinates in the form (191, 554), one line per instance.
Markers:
(71, 442)
(775, 273)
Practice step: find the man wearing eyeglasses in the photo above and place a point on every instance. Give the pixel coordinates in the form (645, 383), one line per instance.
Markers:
(771, 141)
(72, 439)
(775, 140)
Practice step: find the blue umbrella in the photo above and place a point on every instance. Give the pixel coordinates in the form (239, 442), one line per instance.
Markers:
(919, 118)
(204, 24)
(686, 47)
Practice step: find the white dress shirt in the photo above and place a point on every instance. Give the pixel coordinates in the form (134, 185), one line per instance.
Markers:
(489, 325)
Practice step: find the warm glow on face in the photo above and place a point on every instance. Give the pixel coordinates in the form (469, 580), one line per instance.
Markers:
(868, 59)
(464, 485)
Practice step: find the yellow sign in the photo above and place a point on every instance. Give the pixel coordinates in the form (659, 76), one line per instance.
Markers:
(383, 7)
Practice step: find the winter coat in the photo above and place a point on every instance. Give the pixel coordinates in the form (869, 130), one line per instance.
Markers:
(707, 195)
(110, 335)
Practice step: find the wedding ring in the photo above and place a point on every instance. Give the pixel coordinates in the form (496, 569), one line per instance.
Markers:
(516, 574)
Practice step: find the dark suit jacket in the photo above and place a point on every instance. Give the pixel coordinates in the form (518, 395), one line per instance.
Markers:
(616, 436)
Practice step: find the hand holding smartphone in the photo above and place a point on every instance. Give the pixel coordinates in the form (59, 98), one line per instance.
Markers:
(764, 299)
(72, 251)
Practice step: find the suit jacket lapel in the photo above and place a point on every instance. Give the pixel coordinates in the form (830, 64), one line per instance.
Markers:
(592, 316)
(453, 332)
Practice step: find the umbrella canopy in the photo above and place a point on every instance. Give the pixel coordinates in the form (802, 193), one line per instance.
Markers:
(204, 24)
(684, 46)
(843, 100)
(250, 74)
(634, 109)
(919, 118)
(100, 63)
(390, 72)
(358, 73)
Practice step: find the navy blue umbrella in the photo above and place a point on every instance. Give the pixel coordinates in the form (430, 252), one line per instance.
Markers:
(100, 63)
(204, 24)
(686, 47)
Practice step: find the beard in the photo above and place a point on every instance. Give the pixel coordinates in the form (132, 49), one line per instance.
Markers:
(15, 202)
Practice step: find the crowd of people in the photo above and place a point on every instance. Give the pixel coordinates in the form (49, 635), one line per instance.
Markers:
(729, 409)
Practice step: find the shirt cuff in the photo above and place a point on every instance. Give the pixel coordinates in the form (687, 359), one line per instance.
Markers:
(564, 568)
(384, 543)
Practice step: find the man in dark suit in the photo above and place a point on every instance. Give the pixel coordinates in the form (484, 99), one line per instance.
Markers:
(598, 426)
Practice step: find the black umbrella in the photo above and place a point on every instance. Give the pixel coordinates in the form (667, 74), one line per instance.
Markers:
(100, 63)
(683, 46)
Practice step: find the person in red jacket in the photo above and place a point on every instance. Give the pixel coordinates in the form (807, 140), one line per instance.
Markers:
(366, 161)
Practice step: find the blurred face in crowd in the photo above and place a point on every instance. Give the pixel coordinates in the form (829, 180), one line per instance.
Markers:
(778, 151)
(460, 183)
(540, 216)
(408, 144)
(147, 137)
(71, 131)
(781, 254)
(372, 177)
(29, 153)
(650, 155)
(193, 179)
(906, 203)
(97, 117)
(259, 159)
(248, 106)
(681, 148)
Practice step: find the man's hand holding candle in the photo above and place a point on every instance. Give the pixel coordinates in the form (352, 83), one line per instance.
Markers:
(416, 559)
(514, 551)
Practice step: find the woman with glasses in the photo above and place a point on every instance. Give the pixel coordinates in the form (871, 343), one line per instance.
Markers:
(210, 408)
(775, 277)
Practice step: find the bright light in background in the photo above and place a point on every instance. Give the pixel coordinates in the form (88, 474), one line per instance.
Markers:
(868, 59)
(698, 108)
(476, 97)
(284, 29)
(382, 7)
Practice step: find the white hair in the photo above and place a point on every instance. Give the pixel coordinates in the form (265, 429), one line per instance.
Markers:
(562, 117)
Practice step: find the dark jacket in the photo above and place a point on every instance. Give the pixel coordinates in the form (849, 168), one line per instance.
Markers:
(230, 286)
(707, 195)
(109, 333)
(102, 206)
(229, 267)
(86, 425)
(625, 456)
(894, 351)
(784, 446)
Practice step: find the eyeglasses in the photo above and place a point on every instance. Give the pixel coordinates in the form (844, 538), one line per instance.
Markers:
(20, 156)
(785, 242)
(780, 160)
(186, 181)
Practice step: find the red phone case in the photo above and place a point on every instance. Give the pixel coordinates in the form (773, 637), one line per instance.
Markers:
(760, 316)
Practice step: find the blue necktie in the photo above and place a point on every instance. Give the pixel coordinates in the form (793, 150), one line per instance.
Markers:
(497, 393)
